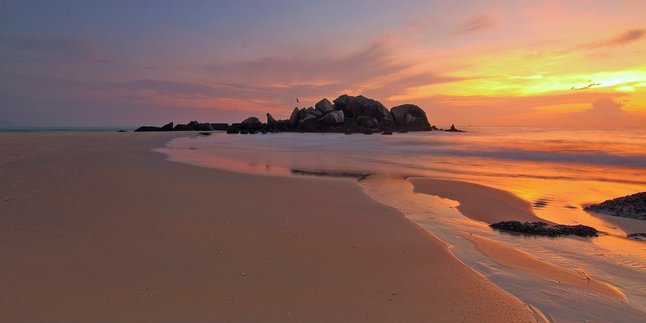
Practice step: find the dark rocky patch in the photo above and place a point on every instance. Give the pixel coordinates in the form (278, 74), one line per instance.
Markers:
(182, 127)
(147, 129)
(631, 206)
(640, 236)
(359, 176)
(220, 126)
(544, 229)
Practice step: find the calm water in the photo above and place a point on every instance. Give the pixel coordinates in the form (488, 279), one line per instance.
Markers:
(562, 168)
(64, 129)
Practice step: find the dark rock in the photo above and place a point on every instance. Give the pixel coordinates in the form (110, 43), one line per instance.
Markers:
(641, 236)
(220, 126)
(293, 119)
(387, 124)
(631, 206)
(333, 118)
(251, 123)
(410, 117)
(147, 129)
(204, 133)
(308, 124)
(121, 130)
(310, 111)
(368, 122)
(270, 120)
(389, 133)
(244, 131)
(234, 128)
(167, 127)
(193, 125)
(454, 129)
(544, 229)
(204, 127)
(360, 106)
(182, 127)
(324, 106)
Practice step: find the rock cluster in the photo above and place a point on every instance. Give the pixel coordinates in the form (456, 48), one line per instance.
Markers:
(631, 206)
(544, 229)
(346, 114)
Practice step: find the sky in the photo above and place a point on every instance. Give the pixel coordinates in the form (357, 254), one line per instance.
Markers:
(472, 63)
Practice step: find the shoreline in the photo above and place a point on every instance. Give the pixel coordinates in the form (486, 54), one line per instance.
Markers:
(146, 244)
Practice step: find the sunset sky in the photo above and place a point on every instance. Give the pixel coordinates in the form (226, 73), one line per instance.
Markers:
(480, 63)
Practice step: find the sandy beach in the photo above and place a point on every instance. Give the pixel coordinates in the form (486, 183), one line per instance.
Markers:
(98, 227)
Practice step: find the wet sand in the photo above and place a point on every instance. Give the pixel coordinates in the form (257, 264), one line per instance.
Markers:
(525, 262)
(478, 202)
(97, 227)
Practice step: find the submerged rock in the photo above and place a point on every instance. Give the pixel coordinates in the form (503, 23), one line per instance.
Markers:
(454, 129)
(544, 229)
(631, 206)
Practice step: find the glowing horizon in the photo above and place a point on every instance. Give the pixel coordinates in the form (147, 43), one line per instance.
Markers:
(574, 63)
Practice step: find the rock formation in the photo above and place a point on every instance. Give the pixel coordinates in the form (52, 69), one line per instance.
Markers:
(348, 114)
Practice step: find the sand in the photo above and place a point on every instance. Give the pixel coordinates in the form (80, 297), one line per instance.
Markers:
(479, 202)
(98, 227)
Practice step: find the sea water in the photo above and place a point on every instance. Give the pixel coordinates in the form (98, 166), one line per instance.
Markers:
(559, 170)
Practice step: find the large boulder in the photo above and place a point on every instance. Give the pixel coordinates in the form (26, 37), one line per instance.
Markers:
(356, 106)
(309, 123)
(251, 123)
(324, 106)
(311, 111)
(270, 120)
(410, 117)
(333, 118)
(293, 118)
(193, 125)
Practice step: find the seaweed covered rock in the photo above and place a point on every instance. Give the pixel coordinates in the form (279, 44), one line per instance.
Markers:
(631, 206)
(641, 236)
(544, 229)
